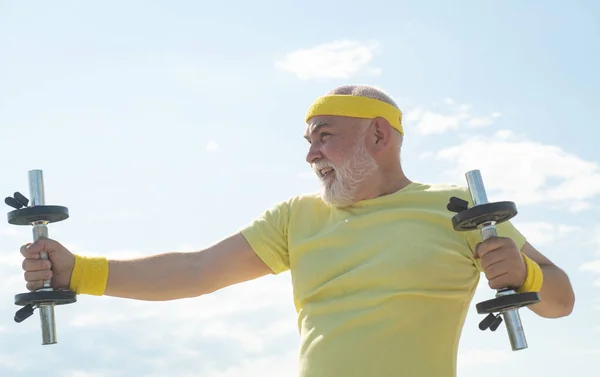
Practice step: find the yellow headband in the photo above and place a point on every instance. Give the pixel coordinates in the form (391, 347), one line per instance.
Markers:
(356, 107)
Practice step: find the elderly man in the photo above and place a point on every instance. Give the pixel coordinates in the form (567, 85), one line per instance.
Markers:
(381, 281)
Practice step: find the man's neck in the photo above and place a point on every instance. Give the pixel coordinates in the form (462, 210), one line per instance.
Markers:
(384, 184)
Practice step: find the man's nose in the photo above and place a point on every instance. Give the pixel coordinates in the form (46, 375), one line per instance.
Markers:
(313, 154)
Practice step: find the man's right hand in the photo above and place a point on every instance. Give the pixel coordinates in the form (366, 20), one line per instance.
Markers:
(58, 268)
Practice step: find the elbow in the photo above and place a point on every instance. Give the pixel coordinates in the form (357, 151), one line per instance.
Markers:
(568, 304)
(555, 312)
(564, 309)
(559, 296)
(560, 308)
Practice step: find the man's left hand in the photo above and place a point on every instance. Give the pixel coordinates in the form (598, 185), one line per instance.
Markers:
(502, 262)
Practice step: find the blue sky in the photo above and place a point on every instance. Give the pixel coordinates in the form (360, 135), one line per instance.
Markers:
(168, 125)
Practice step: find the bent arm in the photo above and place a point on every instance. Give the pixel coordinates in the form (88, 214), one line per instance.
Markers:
(557, 298)
(177, 275)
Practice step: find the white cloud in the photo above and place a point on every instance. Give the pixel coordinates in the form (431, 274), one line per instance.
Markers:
(11, 258)
(13, 362)
(212, 146)
(476, 357)
(594, 265)
(9, 231)
(481, 121)
(595, 239)
(96, 373)
(525, 171)
(430, 122)
(309, 174)
(335, 60)
(543, 233)
(464, 108)
(285, 365)
(433, 123)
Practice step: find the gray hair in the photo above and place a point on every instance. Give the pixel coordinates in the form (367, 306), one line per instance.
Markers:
(365, 91)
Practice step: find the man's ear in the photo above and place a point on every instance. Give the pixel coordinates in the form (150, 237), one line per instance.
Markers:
(382, 131)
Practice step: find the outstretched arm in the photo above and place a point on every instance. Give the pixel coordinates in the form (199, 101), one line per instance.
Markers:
(178, 275)
(557, 298)
(160, 277)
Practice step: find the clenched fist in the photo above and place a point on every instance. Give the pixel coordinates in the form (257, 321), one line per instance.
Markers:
(502, 262)
(58, 268)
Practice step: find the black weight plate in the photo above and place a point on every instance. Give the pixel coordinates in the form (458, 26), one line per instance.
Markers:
(512, 301)
(56, 297)
(26, 216)
(471, 218)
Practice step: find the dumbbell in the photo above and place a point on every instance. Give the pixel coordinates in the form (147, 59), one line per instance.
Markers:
(37, 214)
(485, 216)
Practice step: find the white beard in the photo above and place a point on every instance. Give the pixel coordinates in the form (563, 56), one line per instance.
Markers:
(349, 176)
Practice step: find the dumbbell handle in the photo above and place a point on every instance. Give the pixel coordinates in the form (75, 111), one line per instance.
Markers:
(511, 317)
(40, 230)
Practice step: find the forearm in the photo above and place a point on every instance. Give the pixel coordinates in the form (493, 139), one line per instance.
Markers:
(556, 295)
(161, 277)
(172, 276)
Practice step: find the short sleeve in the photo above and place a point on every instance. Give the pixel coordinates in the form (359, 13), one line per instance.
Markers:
(505, 229)
(268, 237)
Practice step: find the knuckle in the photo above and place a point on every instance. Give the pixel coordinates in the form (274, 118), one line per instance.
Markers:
(487, 242)
(47, 243)
(34, 265)
(490, 266)
(495, 283)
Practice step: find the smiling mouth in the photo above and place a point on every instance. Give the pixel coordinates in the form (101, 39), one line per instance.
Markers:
(325, 172)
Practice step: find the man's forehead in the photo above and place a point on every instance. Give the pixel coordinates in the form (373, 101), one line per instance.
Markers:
(319, 121)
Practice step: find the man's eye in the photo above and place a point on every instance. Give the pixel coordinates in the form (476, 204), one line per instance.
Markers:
(323, 134)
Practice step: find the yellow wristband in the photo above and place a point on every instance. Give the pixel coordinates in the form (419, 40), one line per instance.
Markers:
(89, 276)
(535, 277)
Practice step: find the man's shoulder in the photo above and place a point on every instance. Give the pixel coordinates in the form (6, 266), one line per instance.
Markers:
(310, 199)
(437, 195)
(300, 205)
(442, 189)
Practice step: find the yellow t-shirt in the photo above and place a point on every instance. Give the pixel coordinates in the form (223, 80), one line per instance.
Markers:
(382, 288)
